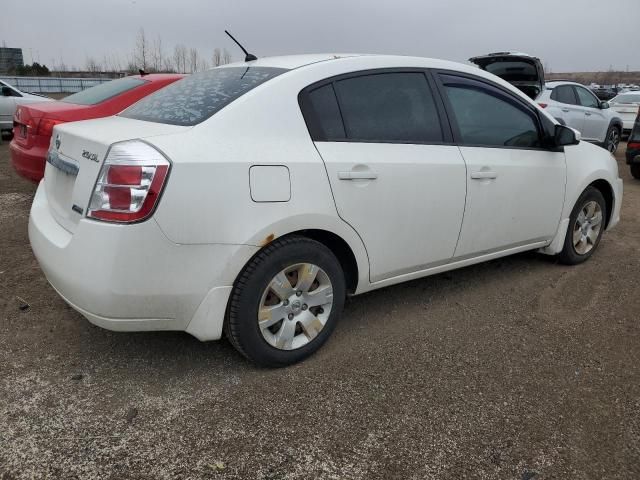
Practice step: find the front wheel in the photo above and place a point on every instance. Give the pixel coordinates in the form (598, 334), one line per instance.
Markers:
(586, 224)
(635, 171)
(286, 302)
(613, 139)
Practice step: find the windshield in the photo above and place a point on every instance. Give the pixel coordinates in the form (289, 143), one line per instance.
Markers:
(627, 98)
(197, 97)
(104, 91)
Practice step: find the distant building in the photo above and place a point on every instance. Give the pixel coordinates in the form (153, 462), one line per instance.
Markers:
(10, 59)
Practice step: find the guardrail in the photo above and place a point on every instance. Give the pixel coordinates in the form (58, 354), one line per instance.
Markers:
(53, 84)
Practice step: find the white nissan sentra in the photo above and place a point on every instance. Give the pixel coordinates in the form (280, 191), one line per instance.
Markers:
(252, 198)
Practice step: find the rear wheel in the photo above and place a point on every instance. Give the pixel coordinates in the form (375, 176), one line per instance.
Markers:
(586, 224)
(286, 302)
(635, 170)
(613, 139)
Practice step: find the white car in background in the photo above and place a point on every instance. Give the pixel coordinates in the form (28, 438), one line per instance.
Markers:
(251, 198)
(626, 105)
(10, 98)
(571, 103)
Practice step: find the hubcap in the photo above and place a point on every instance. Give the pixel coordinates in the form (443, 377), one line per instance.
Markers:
(614, 139)
(295, 306)
(587, 227)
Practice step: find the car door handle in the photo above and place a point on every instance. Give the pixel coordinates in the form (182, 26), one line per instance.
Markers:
(483, 174)
(356, 175)
(587, 114)
(566, 110)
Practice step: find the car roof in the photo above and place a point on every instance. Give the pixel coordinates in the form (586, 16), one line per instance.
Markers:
(555, 83)
(291, 62)
(154, 77)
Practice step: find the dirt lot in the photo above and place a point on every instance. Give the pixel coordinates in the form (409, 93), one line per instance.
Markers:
(516, 369)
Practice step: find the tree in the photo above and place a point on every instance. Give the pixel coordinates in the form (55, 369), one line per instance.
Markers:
(226, 57)
(91, 65)
(141, 53)
(157, 55)
(217, 57)
(193, 60)
(180, 58)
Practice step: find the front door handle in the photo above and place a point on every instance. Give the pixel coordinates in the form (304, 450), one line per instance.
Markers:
(357, 175)
(483, 174)
(587, 114)
(565, 110)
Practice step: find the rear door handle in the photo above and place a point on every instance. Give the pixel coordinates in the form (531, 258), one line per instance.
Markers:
(483, 174)
(566, 110)
(356, 175)
(587, 114)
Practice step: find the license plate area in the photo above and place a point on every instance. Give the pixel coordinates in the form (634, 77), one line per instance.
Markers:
(65, 165)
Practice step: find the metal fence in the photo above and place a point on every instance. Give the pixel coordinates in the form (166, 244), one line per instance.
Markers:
(53, 84)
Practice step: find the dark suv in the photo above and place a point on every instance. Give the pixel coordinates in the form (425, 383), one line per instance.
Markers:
(633, 149)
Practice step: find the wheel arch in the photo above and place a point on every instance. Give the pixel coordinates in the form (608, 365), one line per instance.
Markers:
(606, 190)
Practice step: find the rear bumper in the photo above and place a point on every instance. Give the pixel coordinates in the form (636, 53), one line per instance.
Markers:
(132, 278)
(29, 163)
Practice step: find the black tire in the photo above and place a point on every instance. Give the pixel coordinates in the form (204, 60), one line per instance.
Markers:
(612, 140)
(241, 325)
(635, 171)
(569, 255)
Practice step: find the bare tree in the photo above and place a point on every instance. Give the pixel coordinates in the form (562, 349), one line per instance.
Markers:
(91, 65)
(157, 55)
(217, 57)
(226, 57)
(203, 64)
(167, 65)
(141, 54)
(193, 60)
(180, 58)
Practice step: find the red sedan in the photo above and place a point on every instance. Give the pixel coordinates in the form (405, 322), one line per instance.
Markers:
(33, 124)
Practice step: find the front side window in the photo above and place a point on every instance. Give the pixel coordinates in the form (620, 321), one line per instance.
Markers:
(564, 94)
(586, 98)
(486, 117)
(389, 107)
(104, 91)
(197, 97)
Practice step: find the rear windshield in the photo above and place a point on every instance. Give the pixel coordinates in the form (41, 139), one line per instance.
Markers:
(627, 98)
(104, 91)
(197, 97)
(513, 70)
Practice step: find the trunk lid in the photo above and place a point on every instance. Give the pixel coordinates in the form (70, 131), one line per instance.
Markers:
(76, 154)
(519, 69)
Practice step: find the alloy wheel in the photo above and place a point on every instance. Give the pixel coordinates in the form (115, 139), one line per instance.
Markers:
(295, 306)
(587, 227)
(613, 140)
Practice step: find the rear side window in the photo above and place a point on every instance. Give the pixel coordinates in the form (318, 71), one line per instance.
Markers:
(389, 107)
(327, 114)
(485, 116)
(104, 91)
(194, 99)
(586, 98)
(564, 94)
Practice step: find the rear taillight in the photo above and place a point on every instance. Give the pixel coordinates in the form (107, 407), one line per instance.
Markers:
(129, 184)
(633, 146)
(543, 105)
(45, 127)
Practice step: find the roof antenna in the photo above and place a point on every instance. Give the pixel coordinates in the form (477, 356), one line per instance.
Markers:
(248, 56)
(142, 72)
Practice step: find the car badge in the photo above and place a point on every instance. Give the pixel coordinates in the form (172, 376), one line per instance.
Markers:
(58, 142)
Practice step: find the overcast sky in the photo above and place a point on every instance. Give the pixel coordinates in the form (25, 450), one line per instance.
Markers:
(568, 35)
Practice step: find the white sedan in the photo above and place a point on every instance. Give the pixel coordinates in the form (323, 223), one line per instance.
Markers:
(626, 105)
(250, 199)
(10, 98)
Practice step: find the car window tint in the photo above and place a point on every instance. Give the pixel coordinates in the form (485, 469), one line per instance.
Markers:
(627, 98)
(104, 91)
(484, 117)
(327, 113)
(197, 97)
(564, 94)
(389, 107)
(586, 98)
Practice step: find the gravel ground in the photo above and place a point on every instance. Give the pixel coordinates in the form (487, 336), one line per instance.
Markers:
(519, 368)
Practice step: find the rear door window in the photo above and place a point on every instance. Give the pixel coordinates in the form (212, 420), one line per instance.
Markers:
(197, 97)
(327, 124)
(564, 94)
(389, 107)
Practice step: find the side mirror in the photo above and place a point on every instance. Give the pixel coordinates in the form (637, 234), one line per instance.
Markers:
(6, 91)
(564, 135)
(604, 105)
